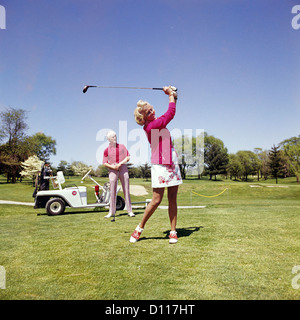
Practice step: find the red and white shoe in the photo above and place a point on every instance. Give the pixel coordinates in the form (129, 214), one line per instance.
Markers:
(173, 237)
(136, 234)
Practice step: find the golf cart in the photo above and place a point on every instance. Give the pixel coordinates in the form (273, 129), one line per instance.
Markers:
(55, 201)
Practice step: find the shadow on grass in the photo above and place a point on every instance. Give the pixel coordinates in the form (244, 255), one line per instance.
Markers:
(104, 210)
(181, 232)
(75, 211)
(126, 213)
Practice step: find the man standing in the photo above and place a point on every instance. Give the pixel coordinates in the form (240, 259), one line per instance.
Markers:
(45, 176)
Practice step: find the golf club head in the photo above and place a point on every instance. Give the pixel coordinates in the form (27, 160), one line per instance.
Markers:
(85, 89)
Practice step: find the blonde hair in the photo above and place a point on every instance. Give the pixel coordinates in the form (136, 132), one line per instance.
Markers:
(138, 112)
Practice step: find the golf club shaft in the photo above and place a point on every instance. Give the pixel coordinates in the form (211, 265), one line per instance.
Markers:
(129, 88)
(109, 87)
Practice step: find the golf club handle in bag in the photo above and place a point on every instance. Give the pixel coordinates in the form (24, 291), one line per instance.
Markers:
(55, 185)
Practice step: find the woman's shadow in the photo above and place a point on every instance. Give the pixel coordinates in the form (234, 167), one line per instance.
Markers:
(181, 232)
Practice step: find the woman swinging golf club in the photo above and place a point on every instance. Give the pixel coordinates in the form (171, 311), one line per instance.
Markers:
(165, 169)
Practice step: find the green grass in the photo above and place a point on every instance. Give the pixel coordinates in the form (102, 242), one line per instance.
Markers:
(243, 245)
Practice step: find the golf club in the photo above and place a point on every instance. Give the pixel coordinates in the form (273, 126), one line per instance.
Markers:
(105, 87)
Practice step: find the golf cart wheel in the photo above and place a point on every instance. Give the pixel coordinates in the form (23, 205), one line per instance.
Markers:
(120, 205)
(55, 207)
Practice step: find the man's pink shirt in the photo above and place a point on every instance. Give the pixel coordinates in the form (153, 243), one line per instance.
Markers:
(113, 155)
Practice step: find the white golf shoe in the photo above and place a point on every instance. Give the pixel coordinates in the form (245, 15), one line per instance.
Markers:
(131, 214)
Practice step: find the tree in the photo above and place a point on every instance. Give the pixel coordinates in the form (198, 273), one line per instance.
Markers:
(62, 166)
(259, 154)
(13, 128)
(10, 159)
(18, 146)
(234, 167)
(275, 163)
(80, 168)
(291, 148)
(69, 170)
(249, 162)
(31, 167)
(131, 170)
(43, 146)
(286, 169)
(135, 172)
(264, 164)
(215, 156)
(146, 171)
(102, 171)
(13, 125)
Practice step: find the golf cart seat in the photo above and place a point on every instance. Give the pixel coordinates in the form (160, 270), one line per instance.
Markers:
(60, 179)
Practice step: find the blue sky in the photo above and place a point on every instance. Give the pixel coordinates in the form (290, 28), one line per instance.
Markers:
(235, 63)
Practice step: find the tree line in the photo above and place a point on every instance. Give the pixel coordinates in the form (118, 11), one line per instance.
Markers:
(16, 146)
(80, 168)
(280, 161)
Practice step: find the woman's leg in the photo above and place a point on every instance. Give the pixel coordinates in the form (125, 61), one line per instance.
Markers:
(172, 198)
(157, 196)
(151, 207)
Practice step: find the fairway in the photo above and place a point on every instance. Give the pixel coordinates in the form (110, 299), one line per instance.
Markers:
(242, 245)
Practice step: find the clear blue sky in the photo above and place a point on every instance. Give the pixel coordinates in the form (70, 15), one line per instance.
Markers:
(236, 64)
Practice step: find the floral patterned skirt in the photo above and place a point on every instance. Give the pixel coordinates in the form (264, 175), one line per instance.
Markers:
(163, 175)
